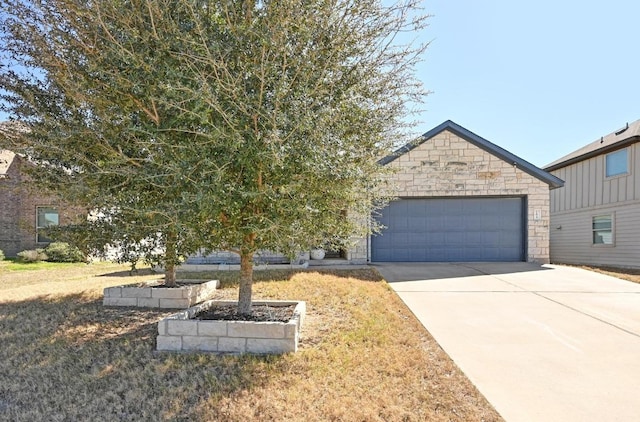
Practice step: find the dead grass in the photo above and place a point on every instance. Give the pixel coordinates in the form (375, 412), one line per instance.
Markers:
(22, 281)
(363, 357)
(629, 274)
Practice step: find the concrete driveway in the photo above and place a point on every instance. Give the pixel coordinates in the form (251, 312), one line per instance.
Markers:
(548, 343)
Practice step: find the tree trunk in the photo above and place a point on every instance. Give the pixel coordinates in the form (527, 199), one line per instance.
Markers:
(246, 281)
(170, 260)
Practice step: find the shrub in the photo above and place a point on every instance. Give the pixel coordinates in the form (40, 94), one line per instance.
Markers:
(32, 255)
(1, 255)
(63, 252)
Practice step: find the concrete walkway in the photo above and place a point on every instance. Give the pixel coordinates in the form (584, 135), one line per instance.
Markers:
(546, 343)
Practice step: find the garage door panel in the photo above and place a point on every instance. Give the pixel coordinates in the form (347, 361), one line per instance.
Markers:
(451, 229)
(417, 223)
(454, 238)
(438, 255)
(474, 239)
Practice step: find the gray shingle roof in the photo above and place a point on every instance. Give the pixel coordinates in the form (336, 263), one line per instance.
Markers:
(628, 134)
(482, 143)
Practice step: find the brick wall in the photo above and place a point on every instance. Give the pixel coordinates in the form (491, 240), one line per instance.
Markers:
(448, 165)
(18, 211)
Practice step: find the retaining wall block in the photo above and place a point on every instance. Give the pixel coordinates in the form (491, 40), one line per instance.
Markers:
(300, 312)
(205, 344)
(136, 292)
(268, 346)
(120, 301)
(167, 293)
(113, 292)
(169, 343)
(212, 328)
(232, 345)
(148, 302)
(290, 329)
(182, 328)
(257, 330)
(174, 303)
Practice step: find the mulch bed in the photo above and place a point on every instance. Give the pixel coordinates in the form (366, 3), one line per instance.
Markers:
(178, 284)
(259, 313)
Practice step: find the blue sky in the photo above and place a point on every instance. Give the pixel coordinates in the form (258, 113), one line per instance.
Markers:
(540, 79)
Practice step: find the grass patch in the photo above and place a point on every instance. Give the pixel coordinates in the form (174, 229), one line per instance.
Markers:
(12, 265)
(363, 356)
(629, 274)
(60, 277)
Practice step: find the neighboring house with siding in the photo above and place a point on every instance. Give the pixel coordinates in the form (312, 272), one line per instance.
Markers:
(460, 198)
(595, 218)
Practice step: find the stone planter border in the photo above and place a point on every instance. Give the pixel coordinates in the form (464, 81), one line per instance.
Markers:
(181, 333)
(188, 294)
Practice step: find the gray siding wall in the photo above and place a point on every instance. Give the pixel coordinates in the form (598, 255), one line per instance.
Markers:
(588, 193)
(571, 237)
(585, 184)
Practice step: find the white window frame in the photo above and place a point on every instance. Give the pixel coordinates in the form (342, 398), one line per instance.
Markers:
(606, 163)
(44, 239)
(612, 231)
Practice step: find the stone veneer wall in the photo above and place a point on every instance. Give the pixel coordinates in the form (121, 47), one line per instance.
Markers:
(447, 165)
(358, 253)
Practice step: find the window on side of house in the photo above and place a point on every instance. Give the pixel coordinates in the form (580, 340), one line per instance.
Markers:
(602, 228)
(46, 217)
(617, 163)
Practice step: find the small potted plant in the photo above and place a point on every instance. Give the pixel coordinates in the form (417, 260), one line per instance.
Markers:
(317, 253)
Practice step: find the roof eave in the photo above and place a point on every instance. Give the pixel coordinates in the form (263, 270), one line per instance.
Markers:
(553, 181)
(604, 150)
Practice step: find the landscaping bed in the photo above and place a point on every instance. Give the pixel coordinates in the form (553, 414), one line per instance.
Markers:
(362, 355)
(156, 295)
(214, 326)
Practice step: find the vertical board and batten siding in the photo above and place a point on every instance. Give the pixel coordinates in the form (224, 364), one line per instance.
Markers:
(588, 192)
(586, 185)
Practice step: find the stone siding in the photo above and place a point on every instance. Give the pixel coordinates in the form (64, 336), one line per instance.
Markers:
(449, 166)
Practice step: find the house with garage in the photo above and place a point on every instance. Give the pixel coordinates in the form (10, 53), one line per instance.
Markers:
(462, 198)
(595, 217)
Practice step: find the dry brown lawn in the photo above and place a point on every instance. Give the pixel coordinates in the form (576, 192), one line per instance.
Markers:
(623, 273)
(363, 356)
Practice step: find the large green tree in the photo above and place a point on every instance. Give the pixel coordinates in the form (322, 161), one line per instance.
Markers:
(237, 125)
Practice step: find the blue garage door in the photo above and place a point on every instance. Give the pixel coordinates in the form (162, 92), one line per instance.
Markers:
(451, 230)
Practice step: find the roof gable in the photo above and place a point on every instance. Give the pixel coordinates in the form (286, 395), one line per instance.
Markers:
(482, 143)
(6, 159)
(627, 135)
